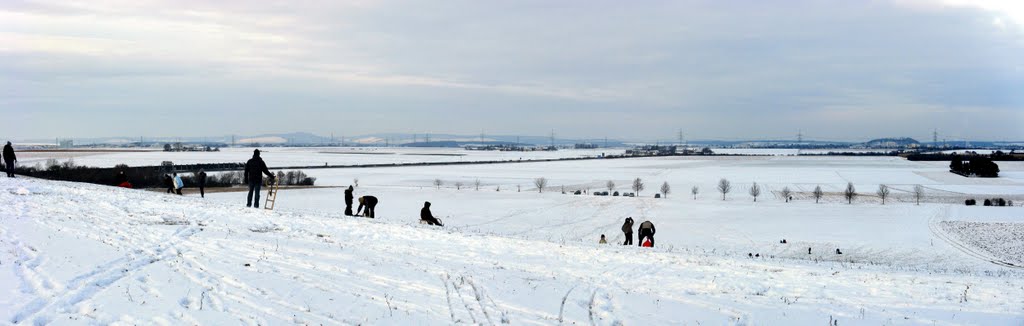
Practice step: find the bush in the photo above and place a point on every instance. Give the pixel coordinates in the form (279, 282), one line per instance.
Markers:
(988, 202)
(970, 202)
(615, 193)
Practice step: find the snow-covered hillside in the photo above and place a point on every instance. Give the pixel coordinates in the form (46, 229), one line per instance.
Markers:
(85, 254)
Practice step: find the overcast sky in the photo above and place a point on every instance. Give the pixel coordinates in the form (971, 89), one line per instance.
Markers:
(837, 70)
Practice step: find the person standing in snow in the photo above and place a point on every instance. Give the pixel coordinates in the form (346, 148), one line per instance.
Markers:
(254, 179)
(370, 203)
(169, 183)
(427, 216)
(201, 180)
(178, 184)
(9, 158)
(627, 230)
(602, 241)
(348, 200)
(646, 230)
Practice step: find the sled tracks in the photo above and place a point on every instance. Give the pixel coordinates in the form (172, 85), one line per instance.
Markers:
(87, 285)
(597, 306)
(936, 230)
(468, 302)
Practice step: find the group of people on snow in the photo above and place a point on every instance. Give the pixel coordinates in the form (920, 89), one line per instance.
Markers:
(645, 233)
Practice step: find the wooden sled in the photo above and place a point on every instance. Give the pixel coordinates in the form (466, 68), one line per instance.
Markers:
(272, 194)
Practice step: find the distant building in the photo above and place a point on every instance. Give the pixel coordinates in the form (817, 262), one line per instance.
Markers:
(585, 146)
(66, 143)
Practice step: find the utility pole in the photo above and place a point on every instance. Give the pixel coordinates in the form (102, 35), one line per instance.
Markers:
(935, 137)
(481, 137)
(427, 136)
(605, 141)
(552, 138)
(800, 136)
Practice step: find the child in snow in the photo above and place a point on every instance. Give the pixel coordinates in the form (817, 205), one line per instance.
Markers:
(603, 241)
(178, 184)
(427, 217)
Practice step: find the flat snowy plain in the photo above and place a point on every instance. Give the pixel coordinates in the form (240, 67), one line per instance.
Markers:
(86, 254)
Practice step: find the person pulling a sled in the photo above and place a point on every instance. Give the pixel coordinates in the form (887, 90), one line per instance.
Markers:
(427, 217)
(253, 169)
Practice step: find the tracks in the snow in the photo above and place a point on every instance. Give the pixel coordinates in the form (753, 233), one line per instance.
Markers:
(469, 303)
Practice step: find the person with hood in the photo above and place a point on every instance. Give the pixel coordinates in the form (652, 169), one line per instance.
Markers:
(169, 183)
(627, 230)
(646, 230)
(9, 158)
(370, 202)
(603, 240)
(428, 217)
(201, 180)
(348, 201)
(253, 177)
(178, 184)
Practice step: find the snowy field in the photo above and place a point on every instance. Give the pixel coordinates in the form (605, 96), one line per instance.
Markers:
(84, 254)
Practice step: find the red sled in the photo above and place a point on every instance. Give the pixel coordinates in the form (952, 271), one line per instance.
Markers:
(125, 184)
(647, 243)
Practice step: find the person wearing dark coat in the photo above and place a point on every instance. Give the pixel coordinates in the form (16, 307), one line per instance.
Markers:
(253, 177)
(201, 180)
(646, 229)
(9, 158)
(169, 183)
(348, 201)
(370, 203)
(428, 217)
(627, 230)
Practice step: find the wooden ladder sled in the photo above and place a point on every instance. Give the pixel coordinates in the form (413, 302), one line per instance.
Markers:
(272, 194)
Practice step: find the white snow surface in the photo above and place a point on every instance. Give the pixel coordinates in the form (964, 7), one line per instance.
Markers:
(78, 254)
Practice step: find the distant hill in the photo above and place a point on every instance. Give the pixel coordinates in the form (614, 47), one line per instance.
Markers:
(891, 143)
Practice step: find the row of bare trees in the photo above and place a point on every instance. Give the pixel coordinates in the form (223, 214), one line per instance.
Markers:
(724, 187)
(849, 193)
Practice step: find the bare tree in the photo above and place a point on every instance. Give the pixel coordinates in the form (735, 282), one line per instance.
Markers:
(638, 185)
(610, 185)
(724, 187)
(786, 193)
(665, 189)
(755, 191)
(540, 183)
(458, 185)
(883, 192)
(438, 183)
(817, 193)
(850, 193)
(694, 191)
(918, 193)
(476, 184)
